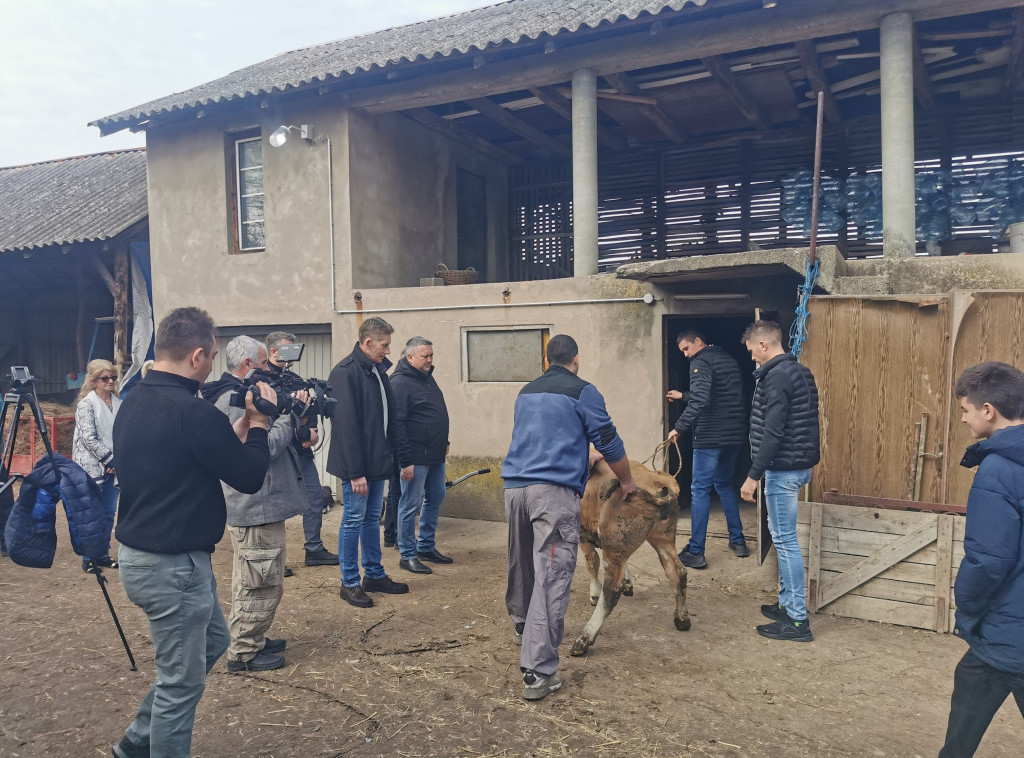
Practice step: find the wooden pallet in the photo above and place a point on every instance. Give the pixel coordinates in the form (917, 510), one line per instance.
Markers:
(880, 564)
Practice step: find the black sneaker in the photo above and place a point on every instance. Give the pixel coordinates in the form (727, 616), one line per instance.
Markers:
(774, 611)
(263, 661)
(385, 584)
(126, 749)
(517, 635)
(787, 629)
(355, 596)
(693, 560)
(740, 549)
(539, 686)
(321, 557)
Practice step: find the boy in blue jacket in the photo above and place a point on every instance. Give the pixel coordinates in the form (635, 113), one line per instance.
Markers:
(990, 585)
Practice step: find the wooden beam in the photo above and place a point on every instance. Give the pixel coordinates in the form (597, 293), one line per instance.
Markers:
(655, 114)
(817, 79)
(563, 107)
(723, 76)
(922, 84)
(102, 271)
(122, 309)
(943, 572)
(632, 99)
(440, 125)
(1015, 68)
(493, 111)
(792, 21)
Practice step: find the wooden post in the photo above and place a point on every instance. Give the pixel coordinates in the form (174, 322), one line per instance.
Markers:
(121, 308)
(80, 335)
(814, 558)
(943, 571)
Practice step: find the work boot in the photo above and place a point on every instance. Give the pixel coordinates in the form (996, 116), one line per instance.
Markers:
(774, 611)
(385, 584)
(413, 565)
(692, 560)
(274, 646)
(321, 557)
(355, 596)
(740, 548)
(126, 749)
(539, 686)
(787, 629)
(263, 661)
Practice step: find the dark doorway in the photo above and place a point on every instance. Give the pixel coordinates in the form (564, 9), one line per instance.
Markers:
(471, 199)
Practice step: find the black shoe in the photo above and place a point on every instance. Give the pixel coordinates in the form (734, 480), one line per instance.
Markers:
(355, 596)
(413, 565)
(740, 548)
(390, 543)
(126, 749)
(321, 557)
(275, 646)
(434, 557)
(693, 560)
(774, 611)
(385, 585)
(263, 661)
(287, 571)
(105, 562)
(787, 629)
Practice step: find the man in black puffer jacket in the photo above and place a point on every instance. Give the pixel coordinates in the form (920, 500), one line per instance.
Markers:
(784, 445)
(715, 413)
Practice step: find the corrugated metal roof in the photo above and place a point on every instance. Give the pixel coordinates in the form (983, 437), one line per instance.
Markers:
(82, 199)
(478, 29)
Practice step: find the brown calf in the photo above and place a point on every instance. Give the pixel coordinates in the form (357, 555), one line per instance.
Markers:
(618, 527)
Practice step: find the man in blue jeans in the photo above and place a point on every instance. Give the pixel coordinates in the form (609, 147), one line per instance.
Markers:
(364, 445)
(784, 446)
(716, 415)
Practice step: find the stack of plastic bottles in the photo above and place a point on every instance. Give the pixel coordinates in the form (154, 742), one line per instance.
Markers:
(797, 191)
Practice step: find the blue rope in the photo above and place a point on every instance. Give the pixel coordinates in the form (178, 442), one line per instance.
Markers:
(798, 332)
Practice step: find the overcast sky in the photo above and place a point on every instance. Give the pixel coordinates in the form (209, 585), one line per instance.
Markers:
(64, 63)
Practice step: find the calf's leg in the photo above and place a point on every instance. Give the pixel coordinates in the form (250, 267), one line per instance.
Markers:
(593, 563)
(610, 591)
(676, 573)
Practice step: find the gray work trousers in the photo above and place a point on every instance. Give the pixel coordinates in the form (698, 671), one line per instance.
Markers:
(543, 541)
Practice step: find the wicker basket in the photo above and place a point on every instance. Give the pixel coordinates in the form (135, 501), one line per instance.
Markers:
(456, 276)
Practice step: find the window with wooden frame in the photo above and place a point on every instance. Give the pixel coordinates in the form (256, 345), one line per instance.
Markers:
(248, 227)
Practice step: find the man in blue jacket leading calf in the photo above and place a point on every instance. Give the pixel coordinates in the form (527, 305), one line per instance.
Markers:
(990, 584)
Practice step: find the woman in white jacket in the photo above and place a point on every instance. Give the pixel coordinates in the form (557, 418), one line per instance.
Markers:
(93, 444)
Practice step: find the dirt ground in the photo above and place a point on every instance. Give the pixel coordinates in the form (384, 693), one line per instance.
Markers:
(435, 672)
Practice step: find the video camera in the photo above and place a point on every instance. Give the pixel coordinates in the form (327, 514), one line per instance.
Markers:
(319, 403)
(264, 406)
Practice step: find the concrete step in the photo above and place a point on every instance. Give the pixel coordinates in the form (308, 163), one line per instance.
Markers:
(862, 285)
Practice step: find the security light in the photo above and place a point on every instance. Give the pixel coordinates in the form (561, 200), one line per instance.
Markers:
(282, 133)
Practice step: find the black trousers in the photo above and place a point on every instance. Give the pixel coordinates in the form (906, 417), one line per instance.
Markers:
(978, 692)
(391, 509)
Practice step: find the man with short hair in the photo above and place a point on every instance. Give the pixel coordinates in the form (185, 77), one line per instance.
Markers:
(421, 410)
(784, 446)
(176, 450)
(557, 417)
(306, 438)
(256, 522)
(364, 444)
(990, 583)
(715, 413)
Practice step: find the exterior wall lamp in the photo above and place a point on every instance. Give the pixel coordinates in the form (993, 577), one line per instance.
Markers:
(282, 134)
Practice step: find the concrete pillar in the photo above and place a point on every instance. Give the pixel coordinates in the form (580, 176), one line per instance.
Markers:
(897, 70)
(584, 172)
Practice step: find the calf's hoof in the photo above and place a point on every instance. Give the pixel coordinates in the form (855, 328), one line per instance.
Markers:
(683, 625)
(627, 590)
(594, 599)
(580, 647)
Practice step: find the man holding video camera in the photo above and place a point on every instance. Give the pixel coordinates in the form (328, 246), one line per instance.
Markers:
(306, 439)
(256, 520)
(171, 515)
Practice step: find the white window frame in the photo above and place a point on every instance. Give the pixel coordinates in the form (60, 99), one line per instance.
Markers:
(240, 197)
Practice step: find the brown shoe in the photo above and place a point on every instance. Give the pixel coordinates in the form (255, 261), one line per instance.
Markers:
(355, 596)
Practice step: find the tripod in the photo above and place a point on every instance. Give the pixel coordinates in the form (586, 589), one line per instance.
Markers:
(22, 393)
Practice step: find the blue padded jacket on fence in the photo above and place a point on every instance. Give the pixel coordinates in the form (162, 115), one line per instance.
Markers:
(31, 532)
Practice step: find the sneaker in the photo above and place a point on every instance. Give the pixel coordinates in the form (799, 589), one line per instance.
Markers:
(355, 596)
(787, 629)
(774, 611)
(263, 661)
(517, 635)
(126, 749)
(274, 646)
(539, 686)
(740, 548)
(693, 560)
(385, 584)
(321, 557)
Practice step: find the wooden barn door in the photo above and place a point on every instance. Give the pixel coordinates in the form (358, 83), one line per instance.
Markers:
(882, 367)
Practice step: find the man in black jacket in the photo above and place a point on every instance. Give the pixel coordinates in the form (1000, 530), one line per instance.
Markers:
(715, 414)
(424, 415)
(784, 445)
(170, 517)
(365, 440)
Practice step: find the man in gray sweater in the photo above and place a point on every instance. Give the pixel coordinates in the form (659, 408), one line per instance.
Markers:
(256, 523)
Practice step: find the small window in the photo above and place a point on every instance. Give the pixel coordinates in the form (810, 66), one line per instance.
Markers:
(504, 355)
(249, 191)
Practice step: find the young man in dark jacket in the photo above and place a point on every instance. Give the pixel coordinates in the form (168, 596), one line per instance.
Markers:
(365, 440)
(784, 446)
(990, 584)
(423, 414)
(715, 413)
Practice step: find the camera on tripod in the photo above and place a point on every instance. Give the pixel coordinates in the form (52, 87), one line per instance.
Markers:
(249, 385)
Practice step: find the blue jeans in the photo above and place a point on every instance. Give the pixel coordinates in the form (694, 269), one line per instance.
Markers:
(782, 491)
(108, 496)
(713, 469)
(360, 523)
(313, 515)
(178, 593)
(427, 485)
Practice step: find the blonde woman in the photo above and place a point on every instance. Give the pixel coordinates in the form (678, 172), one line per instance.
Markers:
(93, 445)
